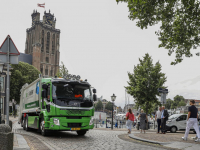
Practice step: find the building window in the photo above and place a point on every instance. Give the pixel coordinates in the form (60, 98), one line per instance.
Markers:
(46, 70)
(2, 84)
(47, 59)
(42, 48)
(53, 44)
(48, 39)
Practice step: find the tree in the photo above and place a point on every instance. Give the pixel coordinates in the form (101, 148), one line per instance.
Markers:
(180, 23)
(168, 103)
(178, 98)
(99, 106)
(181, 103)
(109, 106)
(144, 83)
(62, 70)
(21, 74)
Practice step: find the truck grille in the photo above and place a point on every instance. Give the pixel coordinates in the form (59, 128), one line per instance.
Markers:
(74, 124)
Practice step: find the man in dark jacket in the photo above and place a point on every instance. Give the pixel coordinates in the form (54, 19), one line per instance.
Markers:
(164, 118)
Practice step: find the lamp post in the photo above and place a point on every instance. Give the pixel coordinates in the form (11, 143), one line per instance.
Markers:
(1, 102)
(113, 97)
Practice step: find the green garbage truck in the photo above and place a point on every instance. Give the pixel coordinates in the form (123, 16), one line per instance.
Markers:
(59, 104)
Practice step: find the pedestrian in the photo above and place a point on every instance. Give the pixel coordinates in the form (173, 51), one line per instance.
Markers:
(130, 119)
(196, 137)
(143, 120)
(192, 121)
(158, 117)
(164, 118)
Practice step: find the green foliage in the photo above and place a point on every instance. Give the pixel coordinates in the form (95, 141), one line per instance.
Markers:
(180, 23)
(144, 83)
(62, 70)
(109, 106)
(181, 103)
(99, 106)
(168, 103)
(177, 102)
(21, 74)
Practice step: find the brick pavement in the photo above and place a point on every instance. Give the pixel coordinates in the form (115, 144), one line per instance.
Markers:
(93, 140)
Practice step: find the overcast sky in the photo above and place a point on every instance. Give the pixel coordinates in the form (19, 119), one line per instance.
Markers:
(100, 43)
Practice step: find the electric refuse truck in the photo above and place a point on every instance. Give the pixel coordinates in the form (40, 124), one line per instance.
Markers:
(62, 104)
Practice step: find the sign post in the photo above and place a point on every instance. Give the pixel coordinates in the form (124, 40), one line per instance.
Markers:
(8, 55)
(163, 95)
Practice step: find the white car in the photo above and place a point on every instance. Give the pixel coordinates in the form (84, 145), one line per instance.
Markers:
(177, 122)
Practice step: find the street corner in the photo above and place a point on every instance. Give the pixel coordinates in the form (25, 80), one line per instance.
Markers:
(170, 140)
(165, 138)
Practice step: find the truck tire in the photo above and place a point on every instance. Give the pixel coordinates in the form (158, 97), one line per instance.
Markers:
(42, 129)
(81, 132)
(26, 123)
(22, 121)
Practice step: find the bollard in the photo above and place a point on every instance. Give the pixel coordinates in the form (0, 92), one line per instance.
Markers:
(6, 136)
(10, 123)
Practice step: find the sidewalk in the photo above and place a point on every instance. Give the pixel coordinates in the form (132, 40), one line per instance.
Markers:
(171, 140)
(19, 142)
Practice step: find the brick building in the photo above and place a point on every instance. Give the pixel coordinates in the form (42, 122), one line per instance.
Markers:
(43, 43)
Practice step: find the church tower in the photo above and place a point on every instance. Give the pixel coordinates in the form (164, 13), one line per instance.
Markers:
(43, 43)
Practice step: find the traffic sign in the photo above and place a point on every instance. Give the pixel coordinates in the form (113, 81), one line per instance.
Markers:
(12, 47)
(13, 52)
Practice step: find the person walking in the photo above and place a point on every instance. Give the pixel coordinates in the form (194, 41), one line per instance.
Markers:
(158, 117)
(143, 120)
(192, 121)
(164, 118)
(130, 119)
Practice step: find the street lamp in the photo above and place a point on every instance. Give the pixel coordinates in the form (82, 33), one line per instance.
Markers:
(113, 97)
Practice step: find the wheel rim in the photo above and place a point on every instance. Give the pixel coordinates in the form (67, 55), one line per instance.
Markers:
(26, 123)
(42, 126)
(173, 129)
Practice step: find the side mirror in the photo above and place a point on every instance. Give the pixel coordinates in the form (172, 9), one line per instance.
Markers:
(94, 97)
(178, 119)
(44, 94)
(44, 86)
(94, 91)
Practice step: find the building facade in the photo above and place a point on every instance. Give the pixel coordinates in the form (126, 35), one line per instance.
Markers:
(43, 43)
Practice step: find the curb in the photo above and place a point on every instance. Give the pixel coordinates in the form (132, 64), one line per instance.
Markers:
(21, 142)
(149, 141)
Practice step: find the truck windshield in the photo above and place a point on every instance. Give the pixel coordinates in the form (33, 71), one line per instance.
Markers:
(67, 91)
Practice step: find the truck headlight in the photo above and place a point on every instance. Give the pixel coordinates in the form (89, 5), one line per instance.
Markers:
(56, 121)
(91, 121)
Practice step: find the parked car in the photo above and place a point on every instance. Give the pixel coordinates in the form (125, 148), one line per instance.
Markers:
(177, 122)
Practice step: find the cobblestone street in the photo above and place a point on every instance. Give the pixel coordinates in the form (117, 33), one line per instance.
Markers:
(94, 140)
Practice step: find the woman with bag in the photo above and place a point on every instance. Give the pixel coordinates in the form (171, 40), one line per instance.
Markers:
(143, 120)
(130, 119)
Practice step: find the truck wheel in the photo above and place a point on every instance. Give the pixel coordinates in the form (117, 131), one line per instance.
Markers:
(26, 123)
(81, 133)
(42, 129)
(22, 121)
(173, 129)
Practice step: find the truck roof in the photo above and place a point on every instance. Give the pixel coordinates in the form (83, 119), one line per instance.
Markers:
(69, 81)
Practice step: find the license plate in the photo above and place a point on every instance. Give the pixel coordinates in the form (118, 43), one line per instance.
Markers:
(75, 129)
